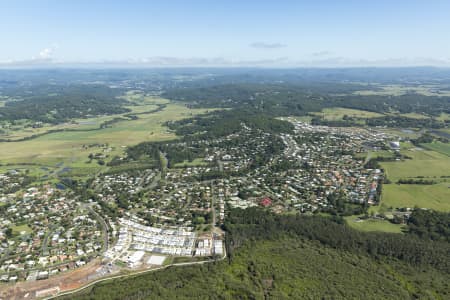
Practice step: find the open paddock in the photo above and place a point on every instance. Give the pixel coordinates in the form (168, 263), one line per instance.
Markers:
(436, 196)
(338, 113)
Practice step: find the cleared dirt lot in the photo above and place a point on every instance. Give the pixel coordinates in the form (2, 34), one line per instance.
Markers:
(66, 281)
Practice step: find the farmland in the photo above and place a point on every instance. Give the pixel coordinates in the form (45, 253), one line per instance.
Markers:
(434, 196)
(398, 90)
(425, 164)
(338, 113)
(70, 149)
(167, 175)
(443, 148)
(139, 104)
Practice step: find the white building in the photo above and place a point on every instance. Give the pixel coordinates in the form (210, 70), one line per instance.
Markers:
(135, 259)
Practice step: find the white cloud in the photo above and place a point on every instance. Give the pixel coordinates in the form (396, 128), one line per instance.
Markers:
(44, 56)
(46, 53)
(265, 45)
(321, 53)
(338, 61)
(321, 59)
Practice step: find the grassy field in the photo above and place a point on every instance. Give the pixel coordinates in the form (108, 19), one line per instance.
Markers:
(373, 225)
(18, 229)
(139, 104)
(20, 131)
(407, 133)
(193, 163)
(443, 148)
(62, 150)
(435, 196)
(337, 113)
(381, 153)
(444, 117)
(304, 119)
(398, 90)
(423, 163)
(412, 115)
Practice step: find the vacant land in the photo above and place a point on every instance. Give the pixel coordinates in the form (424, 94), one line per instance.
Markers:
(398, 90)
(373, 225)
(424, 163)
(406, 133)
(338, 113)
(139, 104)
(436, 196)
(62, 151)
(443, 148)
(194, 163)
(443, 117)
(412, 115)
(304, 119)
(18, 229)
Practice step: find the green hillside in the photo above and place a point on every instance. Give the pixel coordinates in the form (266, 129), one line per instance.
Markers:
(295, 257)
(284, 268)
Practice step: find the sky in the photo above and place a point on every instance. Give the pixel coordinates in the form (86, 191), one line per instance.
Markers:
(281, 33)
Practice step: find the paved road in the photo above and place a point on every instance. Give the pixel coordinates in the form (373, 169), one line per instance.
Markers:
(134, 274)
(213, 206)
(104, 226)
(44, 250)
(220, 163)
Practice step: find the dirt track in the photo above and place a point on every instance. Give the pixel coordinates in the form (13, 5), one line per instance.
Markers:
(66, 281)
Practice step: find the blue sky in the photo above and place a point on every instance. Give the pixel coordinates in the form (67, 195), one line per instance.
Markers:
(232, 32)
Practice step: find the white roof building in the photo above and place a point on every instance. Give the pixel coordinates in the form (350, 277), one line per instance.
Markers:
(134, 259)
(156, 260)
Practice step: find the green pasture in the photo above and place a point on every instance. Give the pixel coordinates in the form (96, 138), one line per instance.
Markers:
(138, 104)
(424, 163)
(67, 147)
(17, 229)
(337, 113)
(443, 148)
(373, 225)
(194, 163)
(398, 90)
(436, 196)
(444, 117)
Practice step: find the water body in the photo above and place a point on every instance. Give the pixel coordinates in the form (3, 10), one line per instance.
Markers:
(64, 170)
(60, 186)
(441, 133)
(409, 131)
(87, 123)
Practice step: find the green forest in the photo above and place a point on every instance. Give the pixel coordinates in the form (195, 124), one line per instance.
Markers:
(57, 104)
(299, 257)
